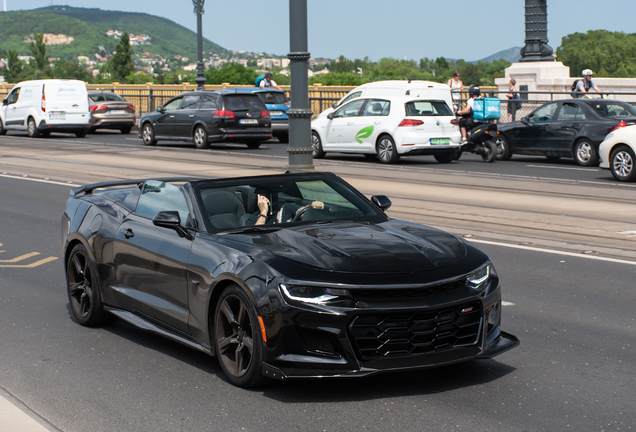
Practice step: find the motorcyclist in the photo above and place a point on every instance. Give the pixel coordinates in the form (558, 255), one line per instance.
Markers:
(466, 120)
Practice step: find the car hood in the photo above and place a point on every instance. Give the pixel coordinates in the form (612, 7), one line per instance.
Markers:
(390, 248)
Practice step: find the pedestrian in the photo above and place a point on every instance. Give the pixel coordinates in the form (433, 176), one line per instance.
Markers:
(456, 86)
(512, 96)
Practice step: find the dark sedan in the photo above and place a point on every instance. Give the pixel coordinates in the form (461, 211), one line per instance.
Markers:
(282, 276)
(207, 117)
(572, 128)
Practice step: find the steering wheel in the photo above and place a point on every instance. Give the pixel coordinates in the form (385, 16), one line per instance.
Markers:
(299, 216)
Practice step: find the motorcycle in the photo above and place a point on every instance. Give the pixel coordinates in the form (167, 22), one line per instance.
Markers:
(480, 139)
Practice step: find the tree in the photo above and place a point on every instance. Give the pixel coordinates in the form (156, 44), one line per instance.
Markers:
(233, 73)
(14, 68)
(608, 54)
(64, 69)
(121, 65)
(38, 48)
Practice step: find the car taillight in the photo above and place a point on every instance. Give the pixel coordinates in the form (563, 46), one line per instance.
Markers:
(223, 114)
(132, 107)
(43, 103)
(287, 104)
(622, 124)
(454, 122)
(98, 107)
(265, 114)
(410, 123)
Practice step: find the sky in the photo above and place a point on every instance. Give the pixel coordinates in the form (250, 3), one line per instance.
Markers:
(400, 29)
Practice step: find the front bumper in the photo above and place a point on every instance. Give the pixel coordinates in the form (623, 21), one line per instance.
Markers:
(381, 336)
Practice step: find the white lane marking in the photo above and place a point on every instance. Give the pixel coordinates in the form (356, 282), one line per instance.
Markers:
(505, 303)
(40, 180)
(627, 233)
(563, 168)
(555, 252)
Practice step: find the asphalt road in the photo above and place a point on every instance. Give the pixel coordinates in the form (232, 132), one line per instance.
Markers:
(573, 370)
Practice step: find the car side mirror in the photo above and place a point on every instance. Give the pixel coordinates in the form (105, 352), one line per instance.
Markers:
(525, 121)
(5, 102)
(171, 219)
(381, 201)
(334, 105)
(330, 115)
(160, 109)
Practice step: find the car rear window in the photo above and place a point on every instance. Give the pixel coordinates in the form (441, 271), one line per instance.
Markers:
(243, 102)
(106, 97)
(427, 108)
(273, 97)
(614, 109)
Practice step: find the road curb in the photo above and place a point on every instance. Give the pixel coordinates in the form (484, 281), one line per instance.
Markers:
(15, 416)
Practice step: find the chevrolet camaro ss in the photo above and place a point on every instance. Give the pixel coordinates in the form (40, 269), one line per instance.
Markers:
(281, 276)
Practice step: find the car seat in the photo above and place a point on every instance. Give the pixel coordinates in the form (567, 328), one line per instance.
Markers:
(224, 209)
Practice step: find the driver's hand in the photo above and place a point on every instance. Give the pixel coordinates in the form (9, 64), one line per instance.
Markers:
(263, 204)
(318, 205)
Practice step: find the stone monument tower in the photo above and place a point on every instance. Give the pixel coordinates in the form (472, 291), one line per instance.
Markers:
(536, 48)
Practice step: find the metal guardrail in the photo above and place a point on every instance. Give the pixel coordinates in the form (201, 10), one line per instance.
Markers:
(147, 97)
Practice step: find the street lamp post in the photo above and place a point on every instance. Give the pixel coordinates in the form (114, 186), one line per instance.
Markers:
(300, 157)
(200, 79)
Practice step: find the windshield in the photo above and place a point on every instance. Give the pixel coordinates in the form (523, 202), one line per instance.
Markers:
(614, 109)
(427, 108)
(266, 205)
(106, 97)
(273, 97)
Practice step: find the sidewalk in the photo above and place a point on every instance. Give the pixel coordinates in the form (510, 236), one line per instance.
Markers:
(17, 417)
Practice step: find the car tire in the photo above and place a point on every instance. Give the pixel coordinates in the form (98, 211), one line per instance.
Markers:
(491, 147)
(200, 138)
(3, 131)
(92, 131)
(458, 154)
(503, 149)
(283, 138)
(148, 134)
(253, 144)
(32, 128)
(125, 130)
(445, 157)
(45, 134)
(237, 338)
(82, 285)
(81, 133)
(622, 164)
(585, 154)
(316, 146)
(387, 152)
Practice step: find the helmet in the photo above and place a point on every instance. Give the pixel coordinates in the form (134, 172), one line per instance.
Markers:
(474, 90)
(268, 75)
(587, 72)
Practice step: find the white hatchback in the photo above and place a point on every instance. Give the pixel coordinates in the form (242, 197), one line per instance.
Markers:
(387, 128)
(617, 153)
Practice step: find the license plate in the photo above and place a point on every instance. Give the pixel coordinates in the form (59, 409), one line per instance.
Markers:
(275, 113)
(248, 121)
(440, 141)
(57, 116)
(118, 111)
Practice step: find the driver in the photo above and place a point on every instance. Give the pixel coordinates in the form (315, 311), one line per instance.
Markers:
(287, 213)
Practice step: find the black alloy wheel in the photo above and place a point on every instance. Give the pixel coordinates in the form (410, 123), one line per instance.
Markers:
(82, 281)
(622, 164)
(237, 338)
(201, 138)
(585, 154)
(387, 152)
(316, 146)
(32, 128)
(148, 134)
(503, 149)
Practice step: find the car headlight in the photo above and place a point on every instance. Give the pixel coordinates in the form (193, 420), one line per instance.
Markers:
(315, 295)
(479, 277)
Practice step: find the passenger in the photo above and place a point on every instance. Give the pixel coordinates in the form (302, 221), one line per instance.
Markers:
(467, 113)
(268, 82)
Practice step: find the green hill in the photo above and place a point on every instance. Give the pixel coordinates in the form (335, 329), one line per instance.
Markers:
(88, 28)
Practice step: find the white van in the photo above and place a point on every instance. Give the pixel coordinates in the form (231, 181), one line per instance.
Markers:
(425, 89)
(44, 106)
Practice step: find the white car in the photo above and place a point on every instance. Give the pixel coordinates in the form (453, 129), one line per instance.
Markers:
(389, 127)
(431, 89)
(617, 153)
(44, 106)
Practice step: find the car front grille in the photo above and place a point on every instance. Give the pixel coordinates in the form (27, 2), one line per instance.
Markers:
(381, 335)
(403, 293)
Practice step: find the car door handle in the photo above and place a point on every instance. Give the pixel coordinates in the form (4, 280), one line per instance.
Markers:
(378, 123)
(171, 116)
(128, 233)
(349, 123)
(191, 115)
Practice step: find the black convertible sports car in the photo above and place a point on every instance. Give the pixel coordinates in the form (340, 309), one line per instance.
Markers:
(283, 276)
(572, 128)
